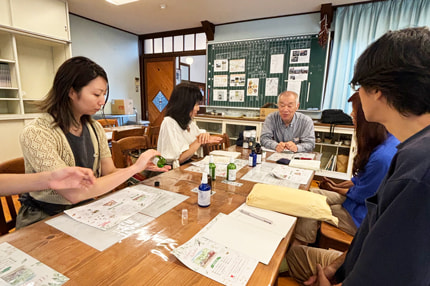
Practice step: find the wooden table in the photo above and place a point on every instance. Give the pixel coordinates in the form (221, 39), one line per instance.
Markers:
(144, 258)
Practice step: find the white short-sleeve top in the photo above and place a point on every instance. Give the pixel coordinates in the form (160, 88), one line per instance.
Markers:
(173, 140)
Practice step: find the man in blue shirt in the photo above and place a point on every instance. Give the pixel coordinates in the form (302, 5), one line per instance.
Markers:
(286, 129)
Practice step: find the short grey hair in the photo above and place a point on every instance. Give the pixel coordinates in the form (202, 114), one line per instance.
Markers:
(286, 92)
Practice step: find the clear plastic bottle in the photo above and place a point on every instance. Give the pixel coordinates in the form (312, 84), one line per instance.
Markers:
(204, 194)
(212, 168)
(159, 161)
(231, 170)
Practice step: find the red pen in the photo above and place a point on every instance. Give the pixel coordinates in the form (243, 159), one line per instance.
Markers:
(302, 158)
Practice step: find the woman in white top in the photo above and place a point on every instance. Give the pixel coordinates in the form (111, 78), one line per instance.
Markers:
(179, 137)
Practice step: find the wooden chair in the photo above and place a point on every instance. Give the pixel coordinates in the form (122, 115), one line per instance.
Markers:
(332, 237)
(153, 133)
(119, 134)
(122, 155)
(286, 281)
(108, 122)
(122, 149)
(10, 205)
(222, 145)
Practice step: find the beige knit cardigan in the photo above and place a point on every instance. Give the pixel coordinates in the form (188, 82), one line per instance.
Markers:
(45, 148)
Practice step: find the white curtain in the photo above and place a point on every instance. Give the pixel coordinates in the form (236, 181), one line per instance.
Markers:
(357, 26)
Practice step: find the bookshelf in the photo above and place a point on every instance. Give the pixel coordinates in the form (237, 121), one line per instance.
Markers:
(34, 42)
(337, 148)
(31, 50)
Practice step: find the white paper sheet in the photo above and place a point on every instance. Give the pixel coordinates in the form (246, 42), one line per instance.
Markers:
(216, 261)
(262, 173)
(19, 268)
(111, 210)
(102, 239)
(277, 63)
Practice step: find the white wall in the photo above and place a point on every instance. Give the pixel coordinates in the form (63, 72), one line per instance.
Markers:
(116, 51)
(284, 26)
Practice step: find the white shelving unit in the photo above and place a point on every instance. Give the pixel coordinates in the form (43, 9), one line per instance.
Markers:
(34, 42)
(337, 143)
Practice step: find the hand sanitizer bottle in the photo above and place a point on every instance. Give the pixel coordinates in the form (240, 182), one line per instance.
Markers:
(204, 194)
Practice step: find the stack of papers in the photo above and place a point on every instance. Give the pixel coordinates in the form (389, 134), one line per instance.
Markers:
(229, 248)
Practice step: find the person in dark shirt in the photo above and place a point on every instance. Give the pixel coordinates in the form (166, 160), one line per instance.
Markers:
(392, 247)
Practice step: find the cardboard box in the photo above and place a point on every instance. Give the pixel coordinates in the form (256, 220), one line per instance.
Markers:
(266, 111)
(122, 106)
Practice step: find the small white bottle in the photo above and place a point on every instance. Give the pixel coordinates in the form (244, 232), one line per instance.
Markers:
(204, 194)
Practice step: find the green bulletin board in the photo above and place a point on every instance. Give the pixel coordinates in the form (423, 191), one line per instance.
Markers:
(251, 73)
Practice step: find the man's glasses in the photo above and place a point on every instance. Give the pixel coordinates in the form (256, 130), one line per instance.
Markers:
(355, 87)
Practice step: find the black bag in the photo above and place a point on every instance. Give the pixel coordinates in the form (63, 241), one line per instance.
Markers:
(336, 116)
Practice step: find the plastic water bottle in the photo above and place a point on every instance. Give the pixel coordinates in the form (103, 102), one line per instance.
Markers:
(204, 194)
(231, 170)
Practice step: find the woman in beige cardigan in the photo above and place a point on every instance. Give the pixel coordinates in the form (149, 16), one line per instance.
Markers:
(66, 135)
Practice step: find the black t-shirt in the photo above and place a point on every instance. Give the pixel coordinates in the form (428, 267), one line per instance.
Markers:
(82, 147)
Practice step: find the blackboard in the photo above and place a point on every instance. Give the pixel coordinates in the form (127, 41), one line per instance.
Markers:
(239, 71)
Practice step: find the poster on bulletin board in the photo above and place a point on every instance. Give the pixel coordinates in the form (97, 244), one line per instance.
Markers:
(251, 73)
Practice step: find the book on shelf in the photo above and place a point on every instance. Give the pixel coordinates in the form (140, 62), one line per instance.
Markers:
(5, 80)
(331, 164)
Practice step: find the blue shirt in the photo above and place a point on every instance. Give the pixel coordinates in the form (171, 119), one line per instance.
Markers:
(367, 182)
(300, 131)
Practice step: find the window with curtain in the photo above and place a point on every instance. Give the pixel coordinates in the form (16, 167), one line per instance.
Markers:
(357, 26)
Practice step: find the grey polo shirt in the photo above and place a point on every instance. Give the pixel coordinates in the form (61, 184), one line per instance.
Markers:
(300, 131)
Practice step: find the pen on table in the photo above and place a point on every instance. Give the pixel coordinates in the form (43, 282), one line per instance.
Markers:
(302, 158)
(256, 216)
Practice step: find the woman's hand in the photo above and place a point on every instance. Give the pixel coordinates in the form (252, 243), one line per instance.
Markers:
(71, 178)
(144, 162)
(203, 138)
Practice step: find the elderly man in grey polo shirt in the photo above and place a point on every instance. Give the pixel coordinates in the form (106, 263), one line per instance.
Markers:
(286, 129)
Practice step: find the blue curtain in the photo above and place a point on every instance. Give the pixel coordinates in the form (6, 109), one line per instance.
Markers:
(357, 26)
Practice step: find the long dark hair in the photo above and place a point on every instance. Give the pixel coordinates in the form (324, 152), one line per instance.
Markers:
(182, 100)
(74, 73)
(368, 134)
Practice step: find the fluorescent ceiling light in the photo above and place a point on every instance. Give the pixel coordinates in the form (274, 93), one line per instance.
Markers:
(120, 2)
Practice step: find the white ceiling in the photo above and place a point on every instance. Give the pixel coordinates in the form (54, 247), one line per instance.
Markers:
(146, 16)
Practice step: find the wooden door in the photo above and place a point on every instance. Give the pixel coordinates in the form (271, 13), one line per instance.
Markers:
(159, 84)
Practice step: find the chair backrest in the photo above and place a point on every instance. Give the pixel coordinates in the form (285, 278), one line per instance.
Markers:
(108, 122)
(8, 209)
(119, 134)
(153, 133)
(222, 145)
(122, 149)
